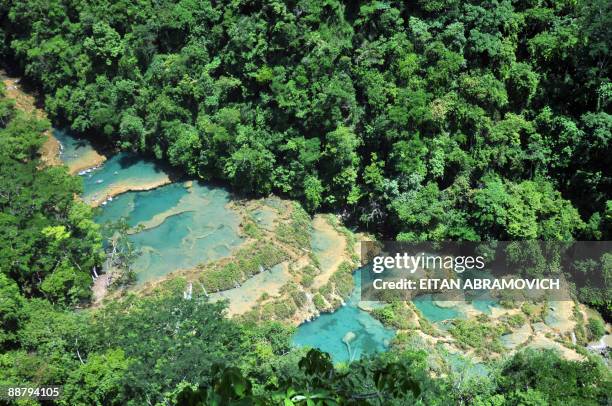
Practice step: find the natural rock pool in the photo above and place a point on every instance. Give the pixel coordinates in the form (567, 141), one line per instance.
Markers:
(78, 154)
(182, 224)
(331, 331)
(121, 173)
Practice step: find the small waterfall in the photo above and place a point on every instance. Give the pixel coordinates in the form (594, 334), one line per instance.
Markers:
(348, 337)
(599, 346)
(203, 289)
(187, 294)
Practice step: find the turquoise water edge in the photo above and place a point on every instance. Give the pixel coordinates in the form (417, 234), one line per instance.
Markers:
(181, 224)
(327, 331)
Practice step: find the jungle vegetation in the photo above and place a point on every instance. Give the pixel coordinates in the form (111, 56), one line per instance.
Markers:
(424, 120)
(427, 120)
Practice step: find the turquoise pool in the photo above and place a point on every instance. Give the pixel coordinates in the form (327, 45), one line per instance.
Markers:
(327, 331)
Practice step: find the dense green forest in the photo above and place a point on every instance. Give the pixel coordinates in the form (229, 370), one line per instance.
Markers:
(48, 241)
(162, 349)
(421, 120)
(438, 119)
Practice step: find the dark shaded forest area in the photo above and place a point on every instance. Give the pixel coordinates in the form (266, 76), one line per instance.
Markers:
(427, 120)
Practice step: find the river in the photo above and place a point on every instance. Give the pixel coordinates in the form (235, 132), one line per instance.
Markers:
(180, 224)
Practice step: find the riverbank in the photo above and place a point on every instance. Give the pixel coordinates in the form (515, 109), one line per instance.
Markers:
(79, 155)
(88, 160)
(311, 282)
(488, 335)
(83, 156)
(51, 150)
(24, 101)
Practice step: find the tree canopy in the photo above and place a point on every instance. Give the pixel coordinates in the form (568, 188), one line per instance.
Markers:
(408, 118)
(421, 120)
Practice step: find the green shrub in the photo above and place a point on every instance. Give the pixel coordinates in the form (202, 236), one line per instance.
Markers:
(385, 315)
(284, 309)
(474, 334)
(319, 302)
(596, 328)
(248, 261)
(250, 317)
(307, 280)
(308, 274)
(516, 320)
(278, 310)
(427, 327)
(396, 315)
(298, 296)
(251, 230)
(508, 304)
(342, 280)
(529, 309)
(326, 291)
(297, 231)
